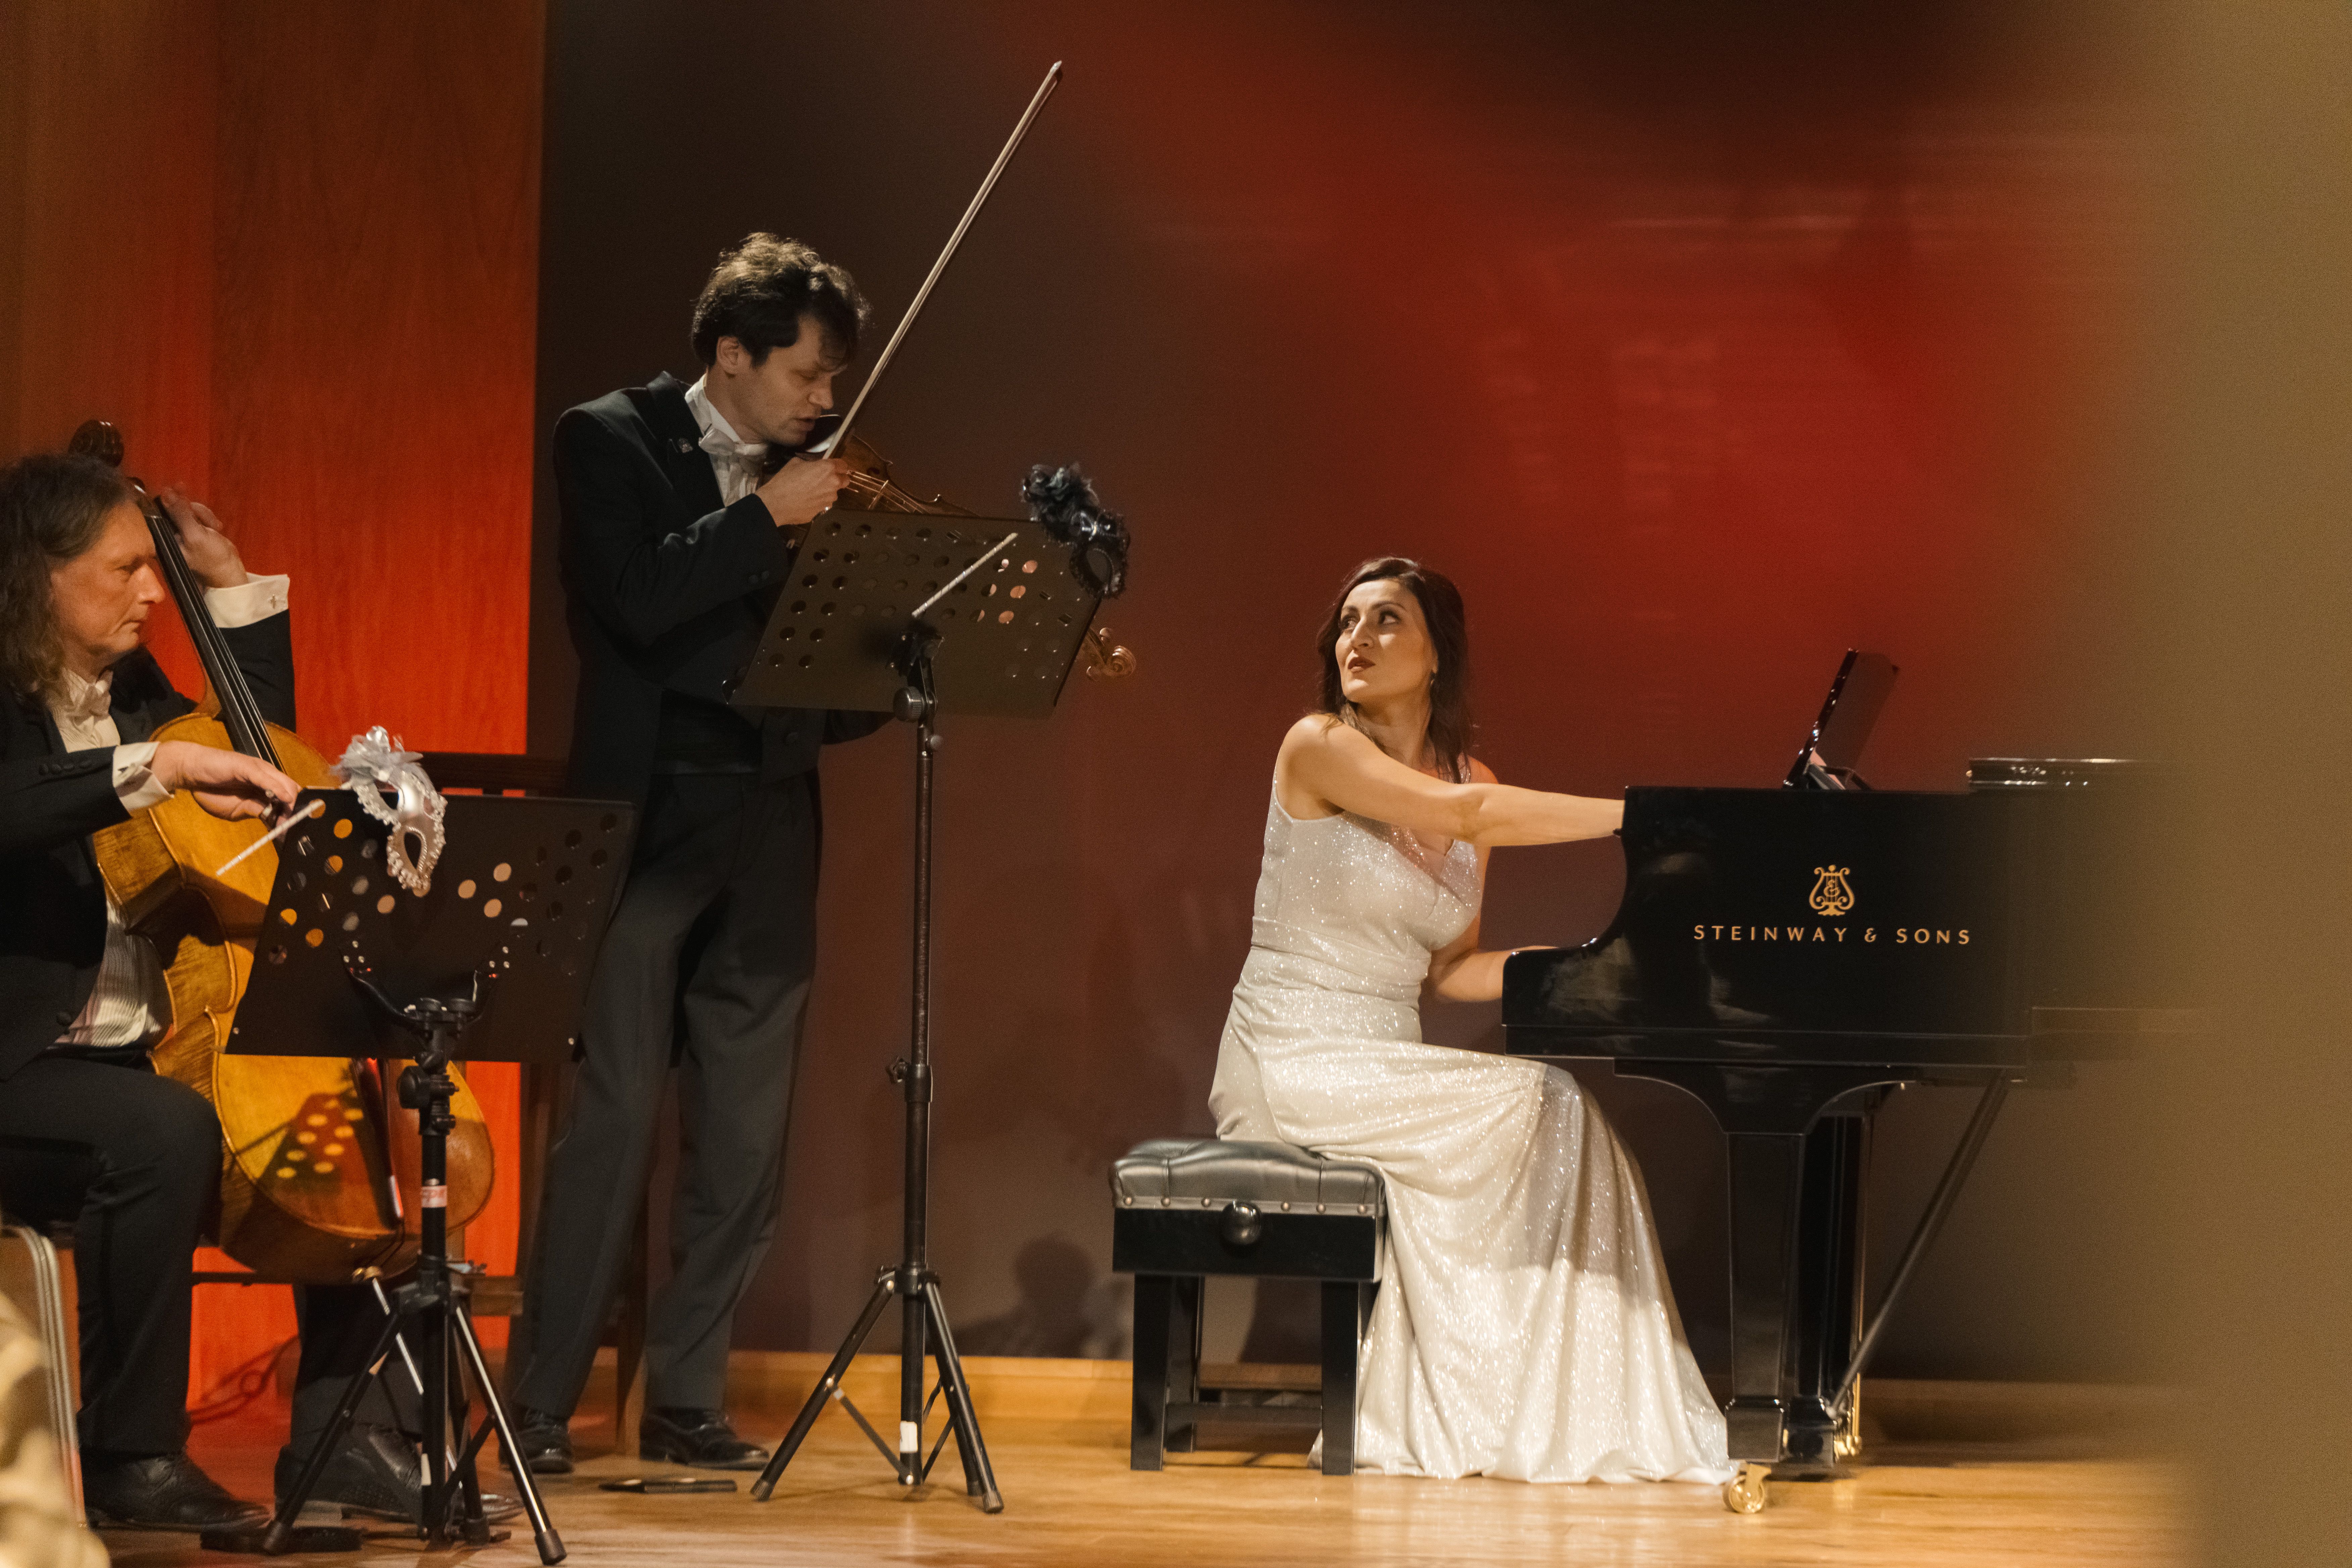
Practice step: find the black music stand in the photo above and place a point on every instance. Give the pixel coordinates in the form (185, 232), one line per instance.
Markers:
(492, 963)
(908, 616)
(1848, 714)
(833, 639)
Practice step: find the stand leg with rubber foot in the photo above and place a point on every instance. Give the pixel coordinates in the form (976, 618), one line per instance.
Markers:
(924, 1335)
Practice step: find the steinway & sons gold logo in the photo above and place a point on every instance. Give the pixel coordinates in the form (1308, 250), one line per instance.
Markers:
(1832, 899)
(1832, 894)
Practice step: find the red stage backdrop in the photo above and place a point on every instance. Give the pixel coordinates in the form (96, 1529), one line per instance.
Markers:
(292, 251)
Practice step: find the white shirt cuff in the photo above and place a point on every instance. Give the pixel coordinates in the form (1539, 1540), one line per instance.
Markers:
(255, 599)
(135, 783)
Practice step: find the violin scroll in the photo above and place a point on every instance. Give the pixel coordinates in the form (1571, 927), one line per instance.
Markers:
(1111, 660)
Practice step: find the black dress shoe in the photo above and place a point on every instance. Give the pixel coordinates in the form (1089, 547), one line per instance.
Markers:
(699, 1437)
(375, 1474)
(545, 1441)
(166, 1491)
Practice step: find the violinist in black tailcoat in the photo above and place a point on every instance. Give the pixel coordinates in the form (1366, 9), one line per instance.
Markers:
(680, 521)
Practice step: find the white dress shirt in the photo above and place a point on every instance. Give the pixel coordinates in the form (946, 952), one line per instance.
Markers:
(130, 1005)
(735, 461)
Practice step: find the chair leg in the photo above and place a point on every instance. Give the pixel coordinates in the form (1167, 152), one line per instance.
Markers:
(49, 1323)
(1343, 1312)
(1185, 1301)
(1148, 1440)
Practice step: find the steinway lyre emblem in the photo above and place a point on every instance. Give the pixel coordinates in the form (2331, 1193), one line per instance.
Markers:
(1832, 894)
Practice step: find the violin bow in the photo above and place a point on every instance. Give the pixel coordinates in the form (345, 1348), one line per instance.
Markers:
(980, 199)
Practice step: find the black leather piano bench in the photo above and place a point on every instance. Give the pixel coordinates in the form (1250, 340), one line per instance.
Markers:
(1186, 1208)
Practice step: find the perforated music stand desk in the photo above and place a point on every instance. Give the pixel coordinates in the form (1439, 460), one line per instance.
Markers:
(521, 895)
(1008, 636)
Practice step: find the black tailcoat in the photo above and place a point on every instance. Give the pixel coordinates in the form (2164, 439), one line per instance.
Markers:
(667, 588)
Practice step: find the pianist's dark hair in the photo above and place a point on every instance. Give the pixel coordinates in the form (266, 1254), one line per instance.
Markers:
(1450, 729)
(52, 507)
(761, 290)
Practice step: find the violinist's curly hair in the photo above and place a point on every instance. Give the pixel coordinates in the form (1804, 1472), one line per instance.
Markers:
(1451, 730)
(52, 507)
(761, 290)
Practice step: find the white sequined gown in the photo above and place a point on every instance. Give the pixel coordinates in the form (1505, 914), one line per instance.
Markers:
(1525, 1328)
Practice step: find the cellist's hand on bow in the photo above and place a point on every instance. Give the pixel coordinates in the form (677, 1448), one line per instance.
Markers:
(228, 784)
(212, 555)
(804, 487)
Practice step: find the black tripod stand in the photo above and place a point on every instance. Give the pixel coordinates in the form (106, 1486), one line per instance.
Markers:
(436, 1301)
(1018, 622)
(923, 1316)
(495, 954)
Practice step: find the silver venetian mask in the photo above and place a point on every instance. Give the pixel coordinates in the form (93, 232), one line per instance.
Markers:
(375, 767)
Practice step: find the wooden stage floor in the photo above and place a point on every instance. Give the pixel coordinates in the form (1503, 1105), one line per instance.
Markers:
(2059, 1501)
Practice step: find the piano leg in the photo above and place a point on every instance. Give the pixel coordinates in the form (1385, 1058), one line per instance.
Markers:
(1767, 1177)
(1827, 1298)
(1766, 1116)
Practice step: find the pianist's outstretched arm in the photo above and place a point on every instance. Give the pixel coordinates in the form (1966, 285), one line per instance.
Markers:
(1461, 971)
(1325, 767)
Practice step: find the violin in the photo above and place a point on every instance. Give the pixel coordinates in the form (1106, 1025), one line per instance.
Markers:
(871, 486)
(315, 1187)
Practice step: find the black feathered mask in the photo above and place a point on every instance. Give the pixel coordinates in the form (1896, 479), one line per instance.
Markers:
(1063, 501)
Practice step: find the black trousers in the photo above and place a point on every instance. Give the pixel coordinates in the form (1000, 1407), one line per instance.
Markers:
(132, 1160)
(706, 967)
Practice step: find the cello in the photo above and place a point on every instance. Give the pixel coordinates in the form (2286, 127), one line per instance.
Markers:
(316, 1188)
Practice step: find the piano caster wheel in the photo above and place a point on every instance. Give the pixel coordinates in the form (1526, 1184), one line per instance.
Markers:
(1744, 1492)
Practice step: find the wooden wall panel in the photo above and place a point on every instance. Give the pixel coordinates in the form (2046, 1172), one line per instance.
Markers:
(15, 84)
(115, 252)
(111, 315)
(379, 222)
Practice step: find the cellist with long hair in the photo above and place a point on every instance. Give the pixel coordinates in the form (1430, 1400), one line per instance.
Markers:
(89, 1133)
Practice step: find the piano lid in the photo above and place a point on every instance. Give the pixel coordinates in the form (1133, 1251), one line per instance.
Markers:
(1828, 757)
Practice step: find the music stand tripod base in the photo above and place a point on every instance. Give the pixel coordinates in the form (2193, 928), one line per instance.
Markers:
(484, 963)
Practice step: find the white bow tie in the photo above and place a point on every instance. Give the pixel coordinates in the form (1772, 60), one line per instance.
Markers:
(744, 454)
(89, 701)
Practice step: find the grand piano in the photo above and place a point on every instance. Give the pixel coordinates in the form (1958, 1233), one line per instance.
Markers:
(1788, 956)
